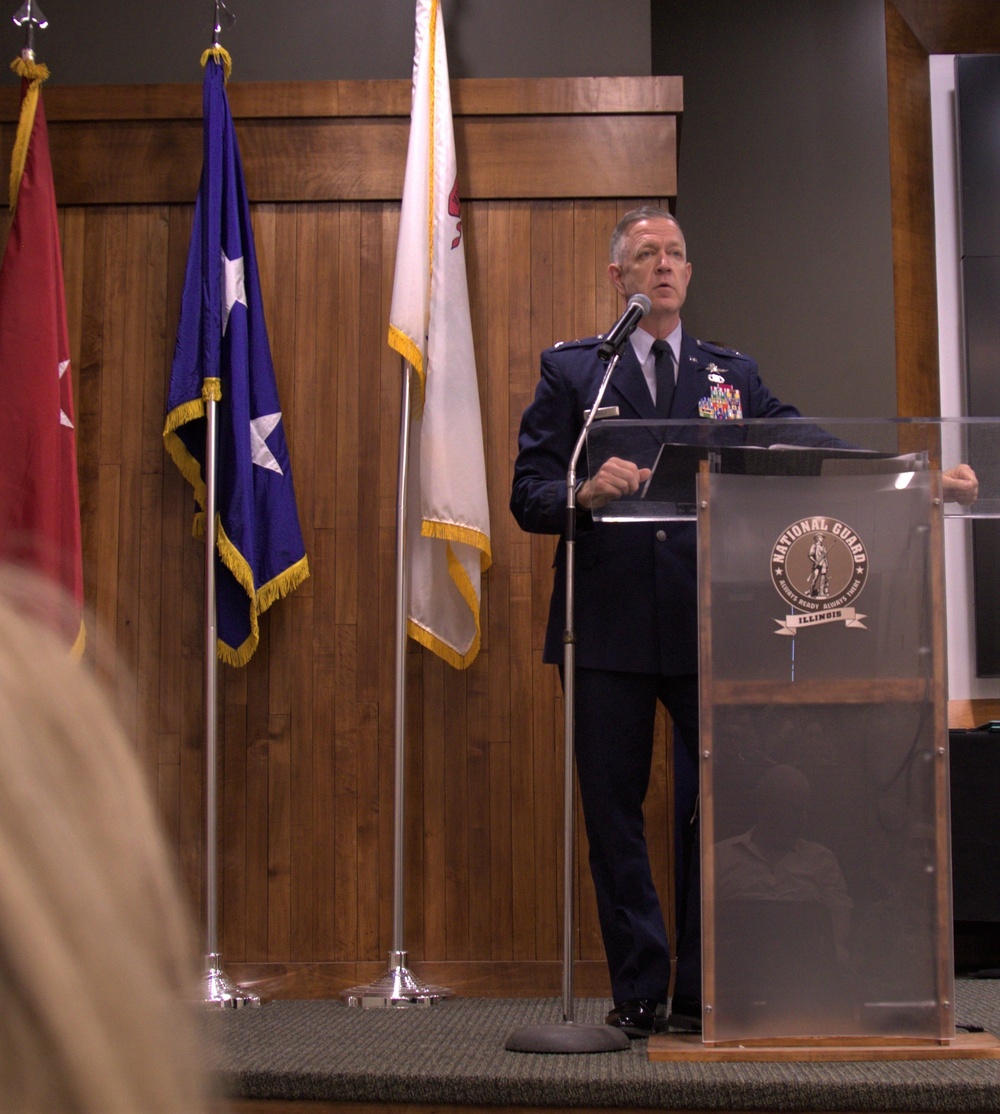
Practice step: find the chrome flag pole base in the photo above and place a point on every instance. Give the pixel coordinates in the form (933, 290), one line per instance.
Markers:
(397, 987)
(221, 991)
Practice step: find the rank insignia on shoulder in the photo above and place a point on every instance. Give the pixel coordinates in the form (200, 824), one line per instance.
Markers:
(582, 342)
(715, 346)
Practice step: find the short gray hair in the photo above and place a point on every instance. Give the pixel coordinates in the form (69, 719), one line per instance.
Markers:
(633, 216)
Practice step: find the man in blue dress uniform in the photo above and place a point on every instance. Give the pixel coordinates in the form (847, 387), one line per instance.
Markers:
(635, 613)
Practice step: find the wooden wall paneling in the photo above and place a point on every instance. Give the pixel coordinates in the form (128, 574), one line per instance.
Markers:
(323, 914)
(297, 382)
(322, 558)
(115, 312)
(72, 224)
(911, 178)
(511, 597)
(348, 879)
(374, 798)
(180, 617)
(372, 344)
(149, 607)
(499, 280)
(233, 854)
(306, 776)
(479, 790)
(434, 810)
(377, 97)
(289, 160)
(191, 765)
(456, 803)
(88, 399)
(538, 757)
(307, 729)
(344, 423)
(323, 507)
(175, 503)
(291, 641)
(130, 538)
(152, 385)
(254, 698)
(417, 895)
(279, 849)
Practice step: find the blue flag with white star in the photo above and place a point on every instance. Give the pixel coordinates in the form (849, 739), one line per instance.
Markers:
(223, 353)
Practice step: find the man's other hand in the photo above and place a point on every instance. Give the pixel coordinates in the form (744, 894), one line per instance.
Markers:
(614, 479)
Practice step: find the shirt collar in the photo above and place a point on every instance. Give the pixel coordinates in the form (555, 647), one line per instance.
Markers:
(642, 342)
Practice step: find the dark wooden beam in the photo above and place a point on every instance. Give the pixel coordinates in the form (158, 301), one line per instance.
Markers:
(953, 26)
(913, 249)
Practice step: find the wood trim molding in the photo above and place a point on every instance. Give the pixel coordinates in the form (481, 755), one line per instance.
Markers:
(468, 979)
(953, 26)
(297, 99)
(346, 141)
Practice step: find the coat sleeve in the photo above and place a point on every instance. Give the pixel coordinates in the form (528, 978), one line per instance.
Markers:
(549, 430)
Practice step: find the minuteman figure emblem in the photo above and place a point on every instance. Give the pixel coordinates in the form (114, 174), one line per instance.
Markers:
(819, 565)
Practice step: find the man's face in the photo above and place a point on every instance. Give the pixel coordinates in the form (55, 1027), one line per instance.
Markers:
(655, 264)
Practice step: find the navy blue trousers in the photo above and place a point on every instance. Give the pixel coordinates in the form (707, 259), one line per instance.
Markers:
(613, 736)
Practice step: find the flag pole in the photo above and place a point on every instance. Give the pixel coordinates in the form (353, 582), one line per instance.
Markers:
(30, 16)
(398, 986)
(219, 989)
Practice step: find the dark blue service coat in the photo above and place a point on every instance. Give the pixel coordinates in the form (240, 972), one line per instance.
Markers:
(635, 585)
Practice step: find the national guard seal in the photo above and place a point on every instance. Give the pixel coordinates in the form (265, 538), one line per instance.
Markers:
(819, 565)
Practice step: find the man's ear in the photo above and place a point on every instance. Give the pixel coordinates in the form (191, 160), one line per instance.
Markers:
(615, 274)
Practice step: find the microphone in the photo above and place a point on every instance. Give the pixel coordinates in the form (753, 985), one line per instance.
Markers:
(638, 306)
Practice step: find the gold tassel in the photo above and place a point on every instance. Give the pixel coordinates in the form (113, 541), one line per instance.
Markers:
(221, 55)
(35, 73)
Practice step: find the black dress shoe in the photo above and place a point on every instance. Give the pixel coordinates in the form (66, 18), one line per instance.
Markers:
(638, 1017)
(684, 1016)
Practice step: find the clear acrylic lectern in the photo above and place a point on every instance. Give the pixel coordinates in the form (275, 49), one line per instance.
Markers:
(826, 895)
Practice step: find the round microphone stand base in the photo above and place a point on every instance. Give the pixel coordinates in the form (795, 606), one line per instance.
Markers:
(567, 1036)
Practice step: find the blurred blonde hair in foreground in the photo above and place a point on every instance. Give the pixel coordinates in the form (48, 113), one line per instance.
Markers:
(97, 963)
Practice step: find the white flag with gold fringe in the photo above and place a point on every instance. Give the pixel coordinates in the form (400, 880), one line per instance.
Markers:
(448, 528)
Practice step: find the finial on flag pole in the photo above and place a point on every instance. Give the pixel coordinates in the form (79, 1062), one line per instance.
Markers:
(221, 12)
(30, 16)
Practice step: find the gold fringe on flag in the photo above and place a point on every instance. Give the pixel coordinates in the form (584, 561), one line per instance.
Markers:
(222, 56)
(260, 598)
(35, 73)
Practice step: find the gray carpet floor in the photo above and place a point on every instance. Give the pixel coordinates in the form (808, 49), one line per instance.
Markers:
(453, 1053)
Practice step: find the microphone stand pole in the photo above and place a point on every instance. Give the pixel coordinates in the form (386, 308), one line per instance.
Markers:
(568, 1036)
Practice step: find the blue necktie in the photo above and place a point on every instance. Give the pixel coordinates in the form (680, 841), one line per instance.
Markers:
(664, 363)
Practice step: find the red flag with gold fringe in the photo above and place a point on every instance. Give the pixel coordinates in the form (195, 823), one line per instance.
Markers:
(39, 495)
